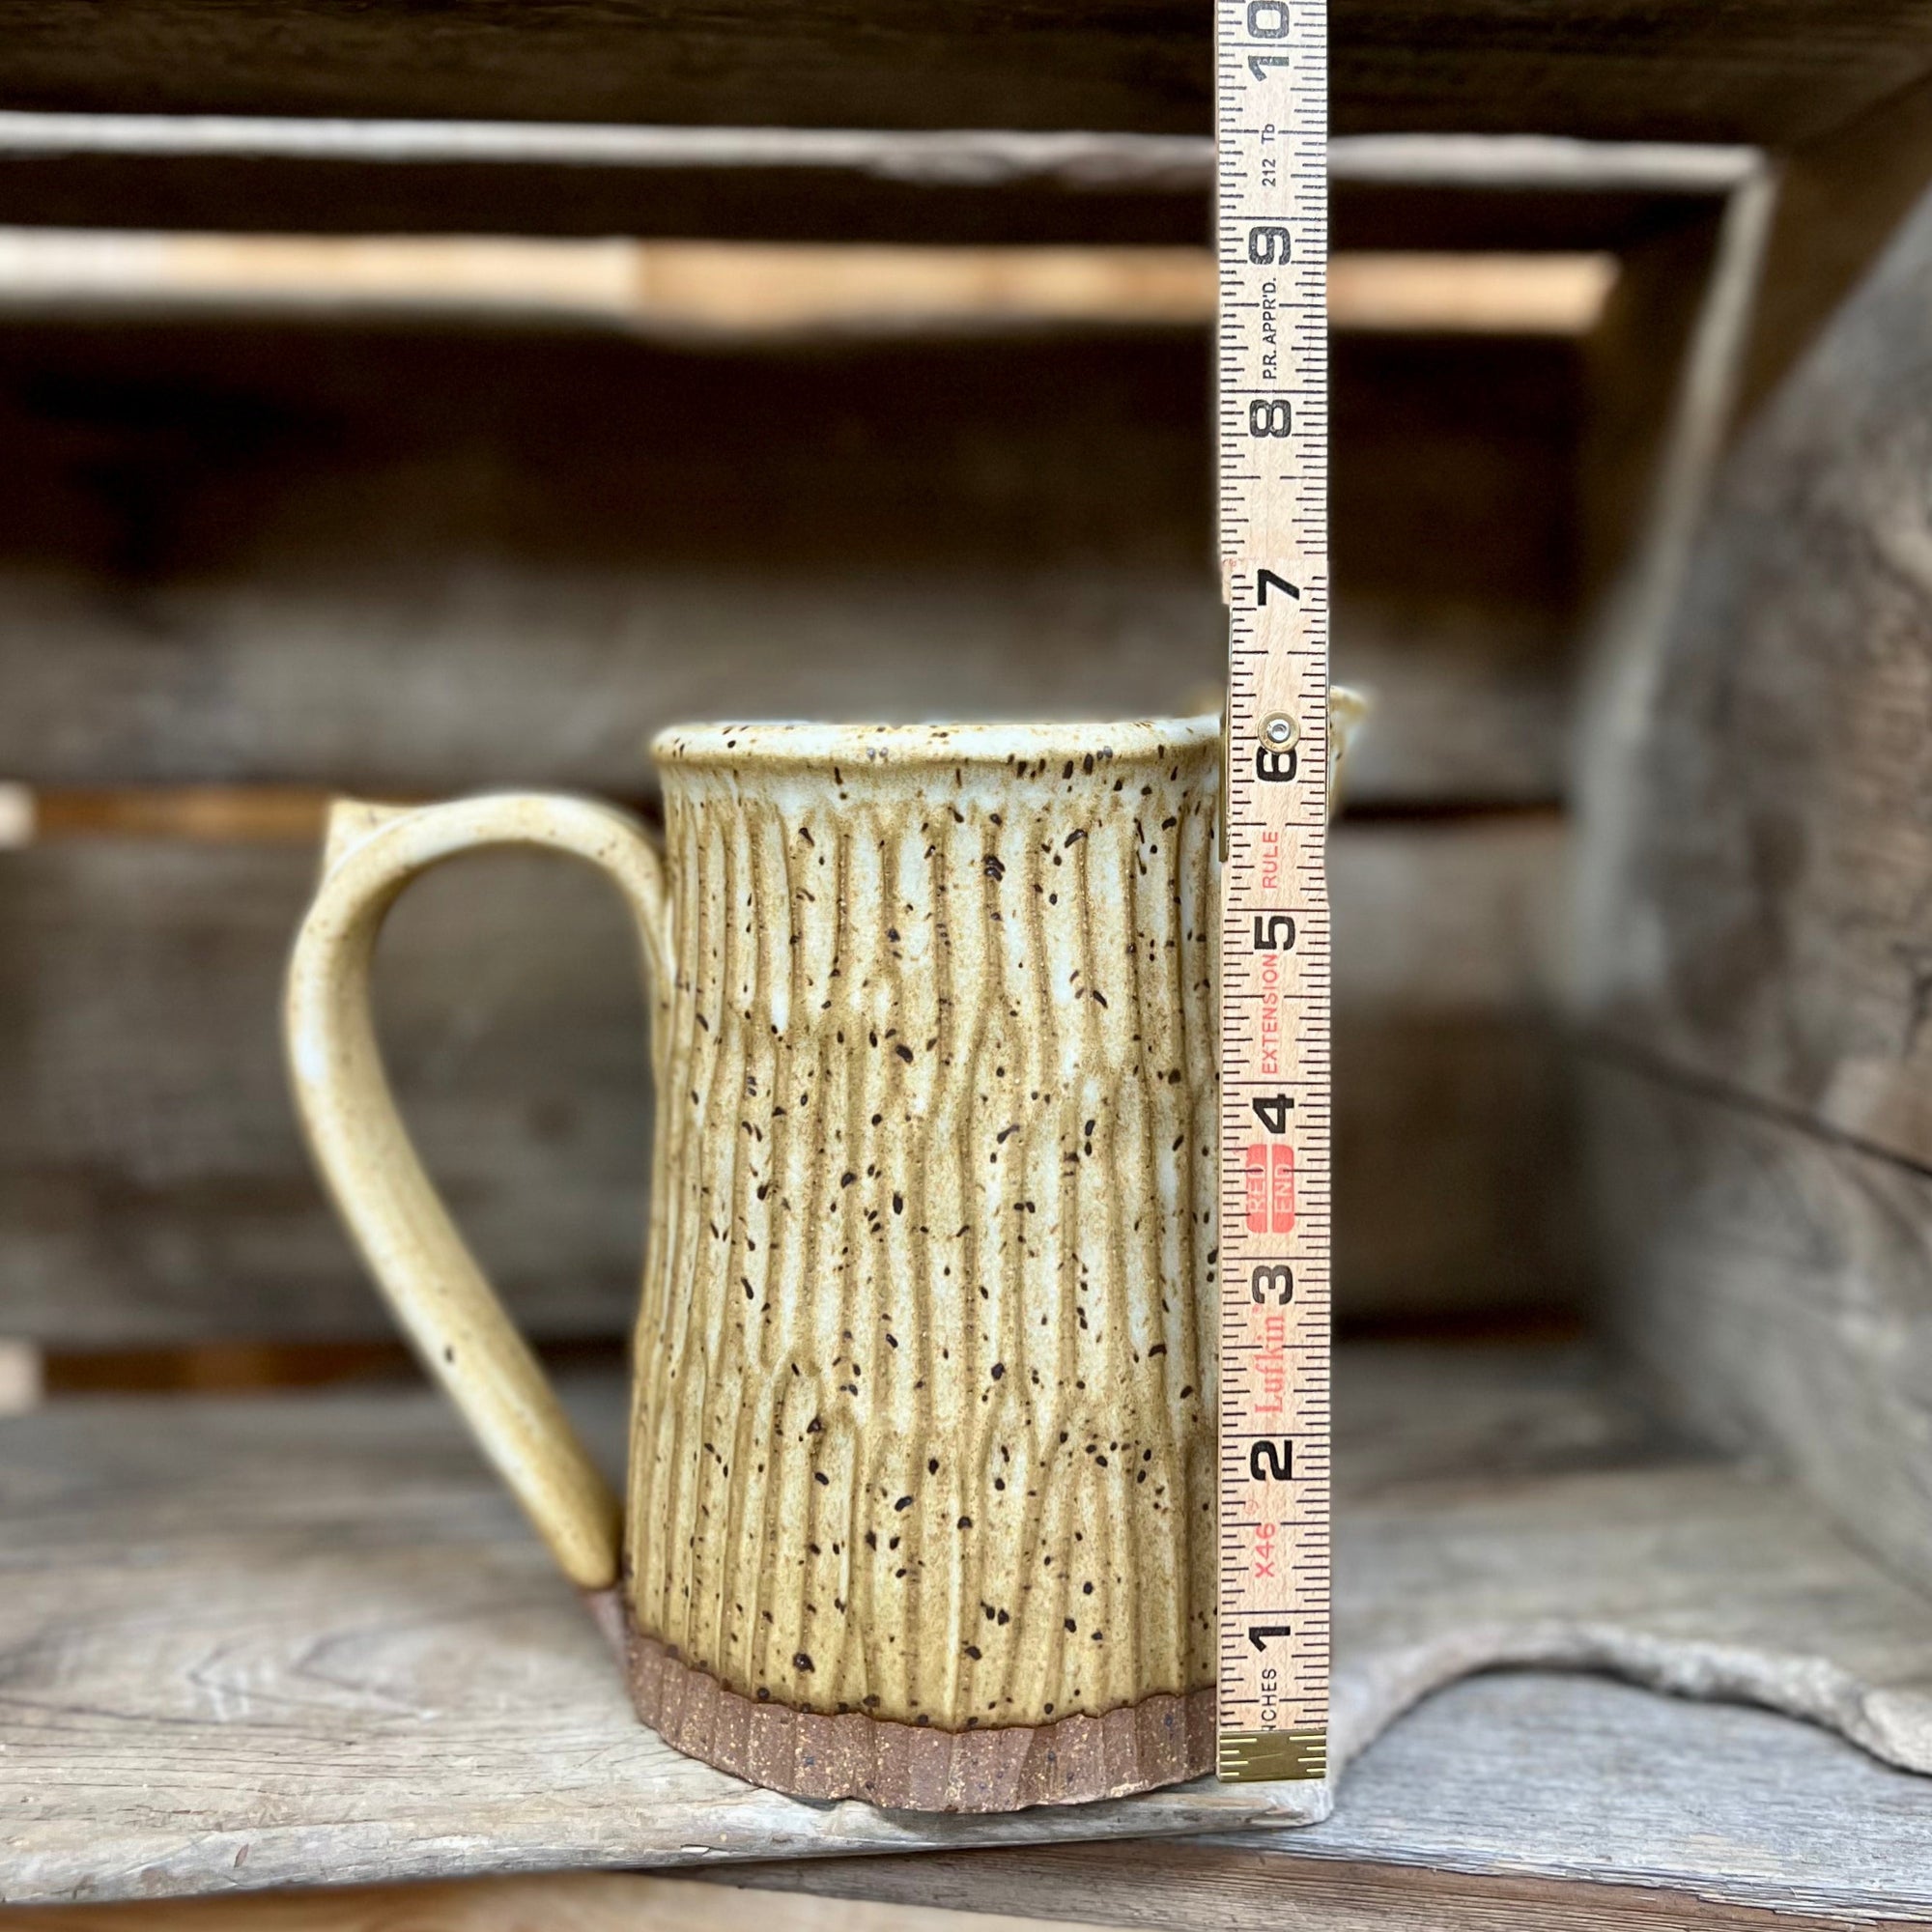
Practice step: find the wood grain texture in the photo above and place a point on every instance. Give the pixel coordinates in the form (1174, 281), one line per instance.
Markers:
(293, 195)
(487, 1728)
(154, 1184)
(153, 1189)
(1456, 1166)
(246, 553)
(576, 1902)
(254, 1645)
(1506, 1801)
(1753, 880)
(1629, 70)
(1841, 197)
(1636, 356)
(291, 176)
(1755, 885)
(1178, 1885)
(1776, 1283)
(345, 681)
(1624, 69)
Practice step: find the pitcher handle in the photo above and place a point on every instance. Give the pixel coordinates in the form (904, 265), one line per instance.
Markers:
(405, 1235)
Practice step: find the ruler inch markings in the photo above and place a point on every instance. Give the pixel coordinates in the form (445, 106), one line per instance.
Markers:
(1272, 1260)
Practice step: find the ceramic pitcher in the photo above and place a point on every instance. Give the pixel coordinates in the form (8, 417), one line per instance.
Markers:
(921, 1500)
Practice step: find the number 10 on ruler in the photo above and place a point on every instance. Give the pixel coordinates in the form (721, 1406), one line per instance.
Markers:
(1272, 428)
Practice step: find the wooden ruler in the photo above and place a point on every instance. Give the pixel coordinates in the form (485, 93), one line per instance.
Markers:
(1271, 217)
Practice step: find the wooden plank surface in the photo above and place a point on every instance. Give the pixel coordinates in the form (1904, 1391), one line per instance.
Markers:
(1455, 1159)
(360, 1667)
(341, 679)
(236, 552)
(757, 293)
(576, 1902)
(293, 177)
(296, 177)
(1730, 1811)
(152, 1187)
(1632, 69)
(1774, 1281)
(1754, 878)
(1636, 358)
(1682, 1859)
(259, 1644)
(1506, 1801)
(277, 196)
(1841, 198)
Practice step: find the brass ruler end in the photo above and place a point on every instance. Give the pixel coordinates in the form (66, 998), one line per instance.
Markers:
(1262, 1757)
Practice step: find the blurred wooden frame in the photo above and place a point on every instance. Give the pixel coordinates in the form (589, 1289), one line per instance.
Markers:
(752, 289)
(165, 914)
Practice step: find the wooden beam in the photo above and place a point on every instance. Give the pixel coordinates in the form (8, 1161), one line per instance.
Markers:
(529, 1095)
(1775, 74)
(1636, 359)
(1841, 198)
(759, 292)
(258, 174)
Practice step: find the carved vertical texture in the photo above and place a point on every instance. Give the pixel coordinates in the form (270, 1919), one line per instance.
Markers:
(925, 1376)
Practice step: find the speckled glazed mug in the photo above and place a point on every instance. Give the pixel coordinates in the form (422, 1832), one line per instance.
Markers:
(921, 1503)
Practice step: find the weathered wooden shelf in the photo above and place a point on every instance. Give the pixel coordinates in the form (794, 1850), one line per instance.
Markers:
(307, 1641)
(1526, 1799)
(1646, 68)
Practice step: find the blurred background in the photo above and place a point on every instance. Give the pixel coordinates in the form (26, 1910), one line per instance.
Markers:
(400, 398)
(408, 514)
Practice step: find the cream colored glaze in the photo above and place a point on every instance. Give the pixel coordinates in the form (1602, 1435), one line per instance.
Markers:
(925, 1409)
(401, 1229)
(925, 1383)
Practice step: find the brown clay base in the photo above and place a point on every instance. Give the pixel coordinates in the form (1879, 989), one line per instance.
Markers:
(1162, 1739)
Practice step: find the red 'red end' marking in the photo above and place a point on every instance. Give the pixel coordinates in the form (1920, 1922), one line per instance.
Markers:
(1256, 1166)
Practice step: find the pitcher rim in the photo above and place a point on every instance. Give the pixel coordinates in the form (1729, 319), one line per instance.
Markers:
(989, 745)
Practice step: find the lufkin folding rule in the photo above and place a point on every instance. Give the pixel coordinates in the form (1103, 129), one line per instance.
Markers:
(1272, 217)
